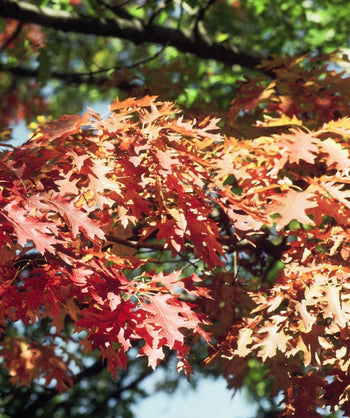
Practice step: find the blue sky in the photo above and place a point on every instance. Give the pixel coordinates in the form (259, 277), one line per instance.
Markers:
(210, 399)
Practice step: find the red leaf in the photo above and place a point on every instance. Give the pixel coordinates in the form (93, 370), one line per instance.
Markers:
(65, 126)
(27, 228)
(166, 317)
(77, 218)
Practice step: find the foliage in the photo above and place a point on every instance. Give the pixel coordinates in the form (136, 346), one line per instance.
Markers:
(160, 182)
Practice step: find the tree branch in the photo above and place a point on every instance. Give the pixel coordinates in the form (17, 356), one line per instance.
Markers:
(14, 35)
(48, 394)
(70, 78)
(156, 246)
(134, 30)
(116, 9)
(200, 16)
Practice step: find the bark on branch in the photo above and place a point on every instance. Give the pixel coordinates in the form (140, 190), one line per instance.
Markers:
(134, 30)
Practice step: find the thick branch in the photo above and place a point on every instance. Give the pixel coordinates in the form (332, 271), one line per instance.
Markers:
(133, 30)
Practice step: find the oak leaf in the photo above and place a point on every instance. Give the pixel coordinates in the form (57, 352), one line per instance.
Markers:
(292, 205)
(65, 126)
(42, 233)
(299, 146)
(168, 315)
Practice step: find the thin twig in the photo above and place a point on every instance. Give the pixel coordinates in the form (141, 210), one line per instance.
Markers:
(118, 10)
(200, 16)
(14, 35)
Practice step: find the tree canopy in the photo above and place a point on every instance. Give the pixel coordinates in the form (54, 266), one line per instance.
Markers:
(82, 51)
(216, 228)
